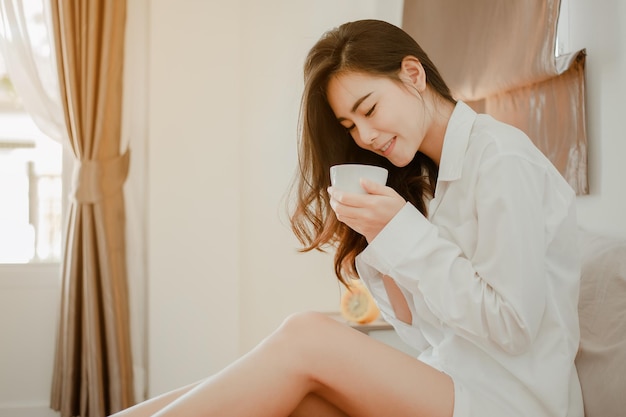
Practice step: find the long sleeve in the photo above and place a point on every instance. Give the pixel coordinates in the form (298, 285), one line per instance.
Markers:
(494, 289)
(410, 334)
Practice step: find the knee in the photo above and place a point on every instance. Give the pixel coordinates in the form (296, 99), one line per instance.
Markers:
(306, 329)
(307, 322)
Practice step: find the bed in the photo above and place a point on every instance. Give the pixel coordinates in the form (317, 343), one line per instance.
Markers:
(601, 359)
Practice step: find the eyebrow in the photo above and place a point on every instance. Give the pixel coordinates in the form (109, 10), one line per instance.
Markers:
(355, 106)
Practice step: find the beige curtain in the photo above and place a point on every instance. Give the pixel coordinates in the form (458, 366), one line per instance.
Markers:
(499, 56)
(552, 113)
(93, 367)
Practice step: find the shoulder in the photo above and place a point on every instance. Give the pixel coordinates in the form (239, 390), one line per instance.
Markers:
(491, 139)
(502, 151)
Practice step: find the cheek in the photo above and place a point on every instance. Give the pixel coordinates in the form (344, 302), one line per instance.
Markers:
(412, 122)
(355, 137)
(398, 117)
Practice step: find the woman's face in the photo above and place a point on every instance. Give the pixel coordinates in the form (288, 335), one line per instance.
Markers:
(382, 115)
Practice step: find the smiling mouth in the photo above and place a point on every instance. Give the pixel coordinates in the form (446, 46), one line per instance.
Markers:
(386, 146)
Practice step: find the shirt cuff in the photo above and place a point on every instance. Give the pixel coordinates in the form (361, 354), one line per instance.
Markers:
(399, 238)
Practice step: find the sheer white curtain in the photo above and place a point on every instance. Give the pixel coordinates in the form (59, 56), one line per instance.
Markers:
(26, 42)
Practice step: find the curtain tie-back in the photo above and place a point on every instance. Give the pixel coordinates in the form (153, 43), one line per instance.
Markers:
(95, 180)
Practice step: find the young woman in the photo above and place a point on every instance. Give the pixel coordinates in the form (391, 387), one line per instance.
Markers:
(469, 251)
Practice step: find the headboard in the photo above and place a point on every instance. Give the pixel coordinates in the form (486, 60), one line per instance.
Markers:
(601, 360)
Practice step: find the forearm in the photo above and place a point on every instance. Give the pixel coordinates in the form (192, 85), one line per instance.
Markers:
(503, 306)
(397, 300)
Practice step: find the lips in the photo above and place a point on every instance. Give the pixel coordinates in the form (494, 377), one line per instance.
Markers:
(386, 148)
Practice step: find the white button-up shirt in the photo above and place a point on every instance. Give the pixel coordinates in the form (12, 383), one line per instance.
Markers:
(491, 276)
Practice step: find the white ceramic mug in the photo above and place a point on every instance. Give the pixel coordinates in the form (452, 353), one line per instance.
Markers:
(347, 177)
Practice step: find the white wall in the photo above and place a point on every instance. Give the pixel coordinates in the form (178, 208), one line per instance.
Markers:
(224, 92)
(598, 26)
(193, 190)
(28, 313)
(275, 280)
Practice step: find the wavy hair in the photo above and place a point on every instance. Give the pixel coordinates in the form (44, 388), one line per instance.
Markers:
(370, 47)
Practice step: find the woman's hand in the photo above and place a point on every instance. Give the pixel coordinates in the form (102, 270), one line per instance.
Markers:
(369, 213)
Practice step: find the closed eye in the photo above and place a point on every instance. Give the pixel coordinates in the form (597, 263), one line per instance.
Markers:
(368, 114)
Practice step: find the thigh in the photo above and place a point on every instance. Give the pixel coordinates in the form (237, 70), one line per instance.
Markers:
(315, 406)
(365, 377)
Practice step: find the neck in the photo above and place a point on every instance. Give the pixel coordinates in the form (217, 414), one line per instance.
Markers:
(432, 145)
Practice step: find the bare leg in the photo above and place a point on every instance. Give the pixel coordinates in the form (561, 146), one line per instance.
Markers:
(312, 362)
(311, 353)
(151, 406)
(311, 406)
(315, 406)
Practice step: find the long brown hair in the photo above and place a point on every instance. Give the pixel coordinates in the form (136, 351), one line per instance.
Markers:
(370, 47)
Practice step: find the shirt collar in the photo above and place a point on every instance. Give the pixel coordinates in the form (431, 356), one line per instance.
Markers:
(455, 142)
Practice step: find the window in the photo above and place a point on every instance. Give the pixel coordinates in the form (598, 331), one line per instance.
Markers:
(30, 184)
(562, 30)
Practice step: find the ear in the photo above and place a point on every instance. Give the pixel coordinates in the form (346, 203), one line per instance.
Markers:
(412, 72)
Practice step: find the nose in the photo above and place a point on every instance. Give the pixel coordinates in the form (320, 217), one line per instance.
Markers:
(367, 134)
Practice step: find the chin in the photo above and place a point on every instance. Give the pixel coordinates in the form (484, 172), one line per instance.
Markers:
(400, 163)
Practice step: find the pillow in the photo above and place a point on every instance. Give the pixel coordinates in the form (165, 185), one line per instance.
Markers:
(601, 360)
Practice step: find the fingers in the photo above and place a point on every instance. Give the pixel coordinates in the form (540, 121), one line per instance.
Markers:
(348, 199)
(343, 204)
(350, 206)
(372, 187)
(353, 199)
(366, 214)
